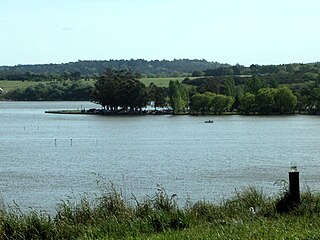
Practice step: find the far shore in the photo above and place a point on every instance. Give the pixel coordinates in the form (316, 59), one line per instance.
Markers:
(165, 112)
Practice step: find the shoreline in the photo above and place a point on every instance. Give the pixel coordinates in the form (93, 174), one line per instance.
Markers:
(159, 113)
(88, 112)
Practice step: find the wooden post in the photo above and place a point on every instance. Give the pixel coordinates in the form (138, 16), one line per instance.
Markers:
(294, 186)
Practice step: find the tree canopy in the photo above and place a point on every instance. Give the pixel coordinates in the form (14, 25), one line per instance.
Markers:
(159, 68)
(120, 89)
(55, 91)
(178, 97)
(210, 102)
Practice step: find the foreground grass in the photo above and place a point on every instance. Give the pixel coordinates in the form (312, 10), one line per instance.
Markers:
(249, 215)
(288, 227)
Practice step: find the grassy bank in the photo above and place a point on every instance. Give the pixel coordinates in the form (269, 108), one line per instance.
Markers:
(249, 215)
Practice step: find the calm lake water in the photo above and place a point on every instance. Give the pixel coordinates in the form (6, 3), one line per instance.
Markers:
(40, 165)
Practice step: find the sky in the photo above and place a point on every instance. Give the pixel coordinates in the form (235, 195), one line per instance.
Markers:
(227, 31)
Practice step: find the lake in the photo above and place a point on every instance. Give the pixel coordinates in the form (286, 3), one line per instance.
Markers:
(47, 158)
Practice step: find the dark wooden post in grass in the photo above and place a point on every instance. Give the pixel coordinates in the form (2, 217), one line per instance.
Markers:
(294, 187)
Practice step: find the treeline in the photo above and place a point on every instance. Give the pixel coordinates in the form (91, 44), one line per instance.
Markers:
(154, 68)
(121, 90)
(269, 100)
(265, 101)
(210, 103)
(40, 77)
(256, 95)
(284, 73)
(56, 91)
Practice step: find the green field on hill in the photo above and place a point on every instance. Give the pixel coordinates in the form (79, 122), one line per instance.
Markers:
(160, 82)
(11, 85)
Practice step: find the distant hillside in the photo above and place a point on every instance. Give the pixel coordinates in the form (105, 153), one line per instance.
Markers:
(93, 68)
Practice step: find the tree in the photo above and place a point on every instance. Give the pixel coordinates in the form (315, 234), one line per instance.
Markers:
(201, 102)
(178, 97)
(158, 95)
(254, 84)
(237, 69)
(221, 71)
(197, 73)
(238, 94)
(247, 103)
(230, 87)
(176, 74)
(310, 96)
(133, 94)
(221, 103)
(317, 81)
(206, 102)
(16, 94)
(106, 88)
(314, 100)
(75, 75)
(285, 100)
(120, 88)
(273, 83)
(265, 100)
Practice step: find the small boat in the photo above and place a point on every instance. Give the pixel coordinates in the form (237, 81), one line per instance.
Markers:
(209, 121)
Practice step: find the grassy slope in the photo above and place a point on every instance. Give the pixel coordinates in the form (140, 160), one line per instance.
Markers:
(161, 82)
(10, 85)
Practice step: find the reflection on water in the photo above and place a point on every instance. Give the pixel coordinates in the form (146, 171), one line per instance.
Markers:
(46, 158)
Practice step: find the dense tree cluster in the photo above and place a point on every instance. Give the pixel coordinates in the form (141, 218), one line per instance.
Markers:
(284, 73)
(157, 95)
(255, 94)
(178, 97)
(40, 77)
(269, 100)
(210, 103)
(309, 97)
(120, 89)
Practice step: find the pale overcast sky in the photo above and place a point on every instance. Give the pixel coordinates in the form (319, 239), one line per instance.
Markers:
(227, 31)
